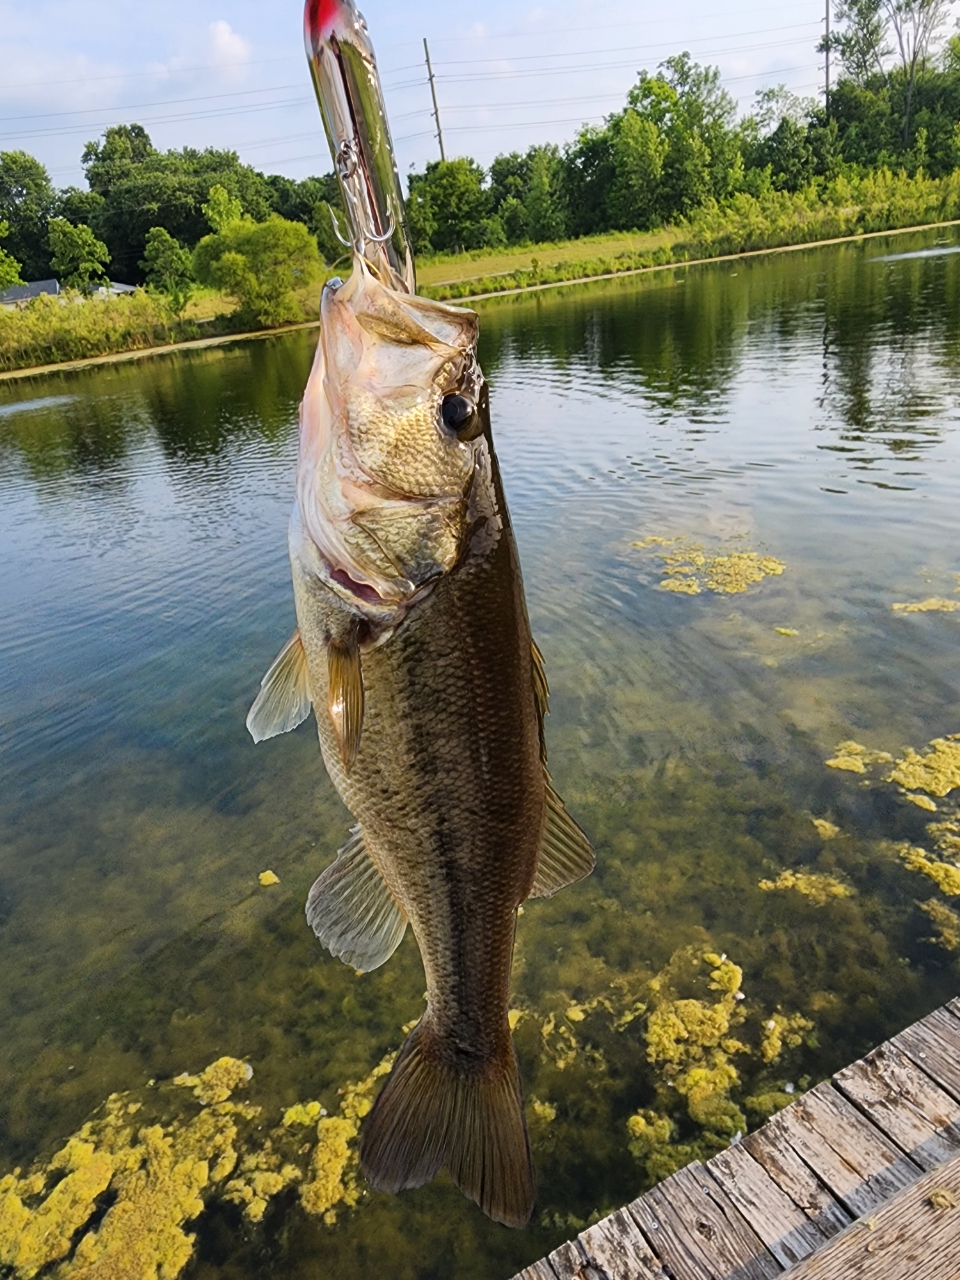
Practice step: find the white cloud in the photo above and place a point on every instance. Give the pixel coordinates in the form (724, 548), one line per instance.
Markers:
(226, 47)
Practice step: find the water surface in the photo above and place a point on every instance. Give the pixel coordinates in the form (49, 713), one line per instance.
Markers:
(803, 407)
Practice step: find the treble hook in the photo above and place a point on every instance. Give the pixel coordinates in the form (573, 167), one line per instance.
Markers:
(364, 235)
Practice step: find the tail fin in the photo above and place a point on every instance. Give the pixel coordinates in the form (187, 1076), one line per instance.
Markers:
(430, 1114)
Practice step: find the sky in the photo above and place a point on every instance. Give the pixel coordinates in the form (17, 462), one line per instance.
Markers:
(232, 73)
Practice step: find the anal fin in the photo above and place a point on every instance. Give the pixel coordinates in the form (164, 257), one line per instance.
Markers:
(345, 698)
(284, 697)
(352, 911)
(565, 852)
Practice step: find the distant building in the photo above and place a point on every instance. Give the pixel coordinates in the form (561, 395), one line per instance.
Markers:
(23, 292)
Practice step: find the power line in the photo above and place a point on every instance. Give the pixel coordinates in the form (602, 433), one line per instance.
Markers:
(136, 106)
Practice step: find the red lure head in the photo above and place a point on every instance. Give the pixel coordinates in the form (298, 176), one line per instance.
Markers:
(319, 20)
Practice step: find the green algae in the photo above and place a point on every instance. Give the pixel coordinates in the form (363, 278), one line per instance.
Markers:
(156, 1178)
(688, 568)
(935, 604)
(818, 888)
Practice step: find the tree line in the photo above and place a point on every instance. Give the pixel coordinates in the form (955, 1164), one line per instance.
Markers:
(169, 218)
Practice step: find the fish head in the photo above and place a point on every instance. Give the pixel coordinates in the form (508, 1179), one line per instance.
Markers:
(391, 423)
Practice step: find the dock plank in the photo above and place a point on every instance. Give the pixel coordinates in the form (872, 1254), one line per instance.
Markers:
(615, 1249)
(909, 1238)
(934, 1045)
(698, 1231)
(798, 1181)
(905, 1103)
(567, 1262)
(779, 1222)
(540, 1270)
(861, 1166)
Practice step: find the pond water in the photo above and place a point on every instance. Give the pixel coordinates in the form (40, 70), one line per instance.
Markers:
(797, 414)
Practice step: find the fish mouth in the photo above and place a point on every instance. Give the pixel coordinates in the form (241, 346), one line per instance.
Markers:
(362, 590)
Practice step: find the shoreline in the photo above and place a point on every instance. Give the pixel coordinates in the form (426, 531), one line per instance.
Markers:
(197, 344)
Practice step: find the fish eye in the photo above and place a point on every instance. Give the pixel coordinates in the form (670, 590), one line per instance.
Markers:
(460, 416)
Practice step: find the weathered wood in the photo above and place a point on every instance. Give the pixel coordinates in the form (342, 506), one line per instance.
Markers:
(875, 1143)
(905, 1103)
(782, 1226)
(859, 1165)
(799, 1182)
(615, 1249)
(910, 1238)
(540, 1270)
(934, 1045)
(567, 1262)
(699, 1233)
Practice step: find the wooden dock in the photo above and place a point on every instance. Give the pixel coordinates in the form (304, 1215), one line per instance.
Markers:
(859, 1179)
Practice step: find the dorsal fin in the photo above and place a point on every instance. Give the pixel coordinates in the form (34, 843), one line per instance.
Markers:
(541, 692)
(352, 911)
(565, 852)
(284, 697)
(345, 697)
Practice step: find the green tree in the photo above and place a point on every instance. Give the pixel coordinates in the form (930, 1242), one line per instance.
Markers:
(142, 187)
(861, 37)
(221, 208)
(27, 200)
(9, 266)
(638, 154)
(449, 197)
(261, 264)
(546, 215)
(78, 258)
(168, 268)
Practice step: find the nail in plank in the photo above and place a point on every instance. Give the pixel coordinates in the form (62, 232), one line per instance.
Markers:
(698, 1231)
(616, 1250)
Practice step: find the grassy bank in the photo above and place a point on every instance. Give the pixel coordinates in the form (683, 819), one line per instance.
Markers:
(49, 331)
(879, 201)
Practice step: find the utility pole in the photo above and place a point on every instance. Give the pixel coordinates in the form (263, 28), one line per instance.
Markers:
(826, 45)
(433, 94)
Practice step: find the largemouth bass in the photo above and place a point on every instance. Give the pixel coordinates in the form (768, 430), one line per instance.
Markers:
(414, 651)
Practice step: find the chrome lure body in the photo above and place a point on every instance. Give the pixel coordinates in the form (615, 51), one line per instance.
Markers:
(347, 85)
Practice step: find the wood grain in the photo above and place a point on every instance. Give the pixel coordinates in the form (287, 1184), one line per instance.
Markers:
(540, 1270)
(934, 1045)
(860, 1166)
(615, 1249)
(699, 1233)
(908, 1239)
(798, 1181)
(905, 1103)
(568, 1262)
(782, 1225)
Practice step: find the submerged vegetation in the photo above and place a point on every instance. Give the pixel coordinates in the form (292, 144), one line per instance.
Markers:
(689, 569)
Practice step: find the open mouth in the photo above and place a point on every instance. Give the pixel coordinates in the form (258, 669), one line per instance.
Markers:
(362, 590)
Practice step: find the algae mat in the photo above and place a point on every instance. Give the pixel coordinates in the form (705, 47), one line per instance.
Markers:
(734, 493)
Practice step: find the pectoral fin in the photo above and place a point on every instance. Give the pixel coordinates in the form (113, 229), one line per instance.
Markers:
(345, 698)
(352, 911)
(565, 852)
(284, 697)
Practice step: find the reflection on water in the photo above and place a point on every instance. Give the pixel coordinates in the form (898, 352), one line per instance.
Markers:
(801, 409)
